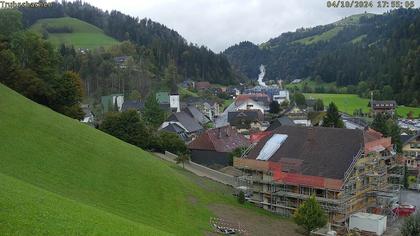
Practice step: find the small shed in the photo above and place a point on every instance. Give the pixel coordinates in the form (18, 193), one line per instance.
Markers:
(368, 222)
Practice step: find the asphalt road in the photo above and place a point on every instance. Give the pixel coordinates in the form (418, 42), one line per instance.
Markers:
(411, 197)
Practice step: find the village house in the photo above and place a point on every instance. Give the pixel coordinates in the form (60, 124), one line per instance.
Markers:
(203, 85)
(175, 127)
(252, 102)
(169, 101)
(89, 116)
(411, 150)
(209, 108)
(299, 117)
(383, 106)
(246, 120)
(213, 147)
(215, 91)
(187, 84)
(274, 93)
(112, 102)
(233, 92)
(186, 121)
(121, 61)
(296, 81)
(281, 96)
(347, 170)
(281, 121)
(133, 105)
(197, 115)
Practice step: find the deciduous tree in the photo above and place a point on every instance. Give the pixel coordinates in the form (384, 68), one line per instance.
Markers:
(182, 159)
(299, 99)
(310, 215)
(411, 225)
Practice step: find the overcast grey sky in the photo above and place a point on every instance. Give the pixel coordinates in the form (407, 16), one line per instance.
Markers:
(219, 24)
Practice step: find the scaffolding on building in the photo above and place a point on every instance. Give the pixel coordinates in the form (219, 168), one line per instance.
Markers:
(336, 198)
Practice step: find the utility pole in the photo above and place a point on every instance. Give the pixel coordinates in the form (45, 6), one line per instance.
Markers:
(371, 100)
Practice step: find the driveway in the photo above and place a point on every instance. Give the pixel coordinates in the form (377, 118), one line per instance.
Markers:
(203, 171)
(411, 197)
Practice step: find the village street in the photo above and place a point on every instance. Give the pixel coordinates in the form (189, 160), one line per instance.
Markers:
(202, 171)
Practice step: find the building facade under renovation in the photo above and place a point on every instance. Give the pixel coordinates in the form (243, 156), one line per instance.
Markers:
(347, 170)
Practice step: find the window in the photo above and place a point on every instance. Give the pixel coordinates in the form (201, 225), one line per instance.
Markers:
(412, 145)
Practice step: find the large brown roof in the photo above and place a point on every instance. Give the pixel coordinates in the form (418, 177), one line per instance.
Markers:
(223, 139)
(372, 135)
(202, 85)
(315, 151)
(257, 97)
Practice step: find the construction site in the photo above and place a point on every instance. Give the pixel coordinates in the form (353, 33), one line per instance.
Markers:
(278, 175)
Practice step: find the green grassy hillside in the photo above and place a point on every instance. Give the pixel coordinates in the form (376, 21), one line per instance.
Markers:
(84, 35)
(60, 177)
(325, 36)
(338, 26)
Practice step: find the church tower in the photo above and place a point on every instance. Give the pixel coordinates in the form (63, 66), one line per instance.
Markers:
(174, 100)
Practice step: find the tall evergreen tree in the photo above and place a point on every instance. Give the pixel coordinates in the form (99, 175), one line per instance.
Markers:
(152, 113)
(394, 131)
(170, 76)
(319, 105)
(379, 123)
(332, 118)
(274, 107)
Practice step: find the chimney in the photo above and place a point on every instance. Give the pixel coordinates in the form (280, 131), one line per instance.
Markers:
(219, 133)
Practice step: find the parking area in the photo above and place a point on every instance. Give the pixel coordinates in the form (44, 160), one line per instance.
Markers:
(411, 197)
(408, 197)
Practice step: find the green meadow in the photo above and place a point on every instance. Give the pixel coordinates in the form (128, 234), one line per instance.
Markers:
(61, 177)
(347, 103)
(84, 35)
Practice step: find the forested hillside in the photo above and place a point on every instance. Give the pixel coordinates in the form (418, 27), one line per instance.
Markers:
(160, 45)
(31, 66)
(370, 51)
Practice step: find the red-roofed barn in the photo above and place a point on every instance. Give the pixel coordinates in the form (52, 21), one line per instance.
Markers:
(212, 148)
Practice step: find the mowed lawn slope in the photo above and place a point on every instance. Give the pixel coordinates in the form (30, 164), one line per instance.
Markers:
(61, 177)
(84, 35)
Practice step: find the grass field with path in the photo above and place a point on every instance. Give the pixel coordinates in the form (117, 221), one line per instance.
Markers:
(84, 35)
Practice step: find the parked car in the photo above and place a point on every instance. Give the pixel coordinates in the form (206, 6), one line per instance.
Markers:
(404, 210)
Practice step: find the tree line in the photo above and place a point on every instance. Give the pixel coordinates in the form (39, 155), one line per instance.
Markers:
(163, 45)
(30, 66)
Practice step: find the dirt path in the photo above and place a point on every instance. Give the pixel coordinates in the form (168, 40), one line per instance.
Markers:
(254, 223)
(202, 171)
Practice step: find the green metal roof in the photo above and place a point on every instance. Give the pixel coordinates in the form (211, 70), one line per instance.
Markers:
(106, 101)
(162, 97)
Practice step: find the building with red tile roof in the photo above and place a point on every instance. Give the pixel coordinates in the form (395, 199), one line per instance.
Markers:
(212, 148)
